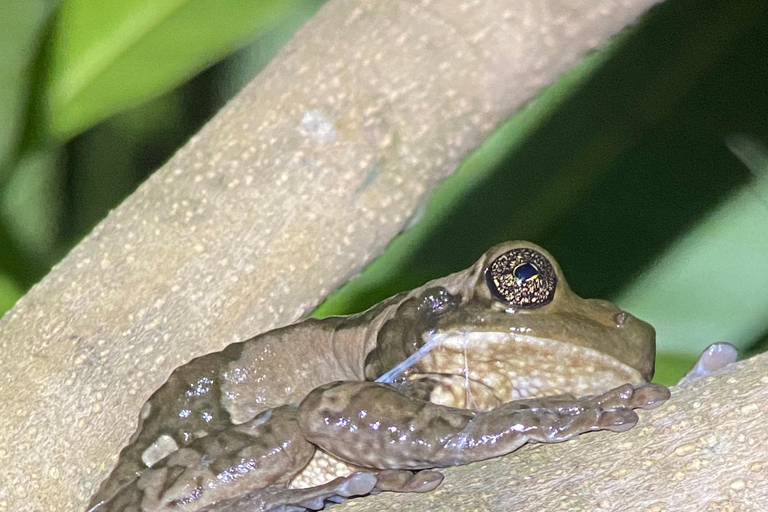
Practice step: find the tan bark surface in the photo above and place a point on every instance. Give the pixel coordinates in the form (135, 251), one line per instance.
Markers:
(288, 192)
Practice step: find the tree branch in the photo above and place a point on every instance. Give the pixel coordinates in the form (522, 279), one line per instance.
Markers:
(288, 192)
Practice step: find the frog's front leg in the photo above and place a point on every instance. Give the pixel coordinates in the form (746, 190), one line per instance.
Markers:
(373, 425)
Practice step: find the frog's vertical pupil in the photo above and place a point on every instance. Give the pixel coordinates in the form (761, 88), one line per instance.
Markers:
(522, 277)
(525, 272)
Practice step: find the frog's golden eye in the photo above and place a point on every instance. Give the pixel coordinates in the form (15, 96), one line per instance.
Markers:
(522, 277)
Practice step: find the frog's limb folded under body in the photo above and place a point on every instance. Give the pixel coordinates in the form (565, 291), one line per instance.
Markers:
(359, 483)
(253, 461)
(277, 499)
(266, 451)
(375, 426)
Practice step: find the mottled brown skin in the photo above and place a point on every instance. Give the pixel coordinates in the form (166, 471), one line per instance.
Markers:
(330, 418)
(229, 431)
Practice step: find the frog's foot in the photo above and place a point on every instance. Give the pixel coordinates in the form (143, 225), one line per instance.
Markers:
(616, 406)
(407, 481)
(280, 499)
(644, 396)
(555, 419)
(716, 356)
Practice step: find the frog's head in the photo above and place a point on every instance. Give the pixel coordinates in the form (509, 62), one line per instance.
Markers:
(521, 285)
(512, 323)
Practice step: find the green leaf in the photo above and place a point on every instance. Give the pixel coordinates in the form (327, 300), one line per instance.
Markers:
(107, 56)
(9, 293)
(711, 284)
(672, 367)
(30, 205)
(21, 22)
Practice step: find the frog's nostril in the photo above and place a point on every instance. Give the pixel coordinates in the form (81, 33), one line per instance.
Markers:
(620, 318)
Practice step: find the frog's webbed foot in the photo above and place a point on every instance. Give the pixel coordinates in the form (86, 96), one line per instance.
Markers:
(280, 499)
(716, 356)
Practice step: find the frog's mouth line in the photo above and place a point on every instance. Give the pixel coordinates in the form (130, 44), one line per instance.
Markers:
(511, 367)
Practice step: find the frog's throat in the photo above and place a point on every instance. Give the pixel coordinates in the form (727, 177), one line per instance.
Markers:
(517, 366)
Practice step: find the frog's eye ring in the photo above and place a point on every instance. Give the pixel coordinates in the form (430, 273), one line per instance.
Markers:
(522, 277)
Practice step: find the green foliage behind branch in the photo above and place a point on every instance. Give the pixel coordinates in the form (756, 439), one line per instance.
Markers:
(612, 169)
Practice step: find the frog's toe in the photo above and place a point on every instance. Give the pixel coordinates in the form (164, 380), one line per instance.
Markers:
(716, 356)
(424, 481)
(645, 396)
(336, 491)
(649, 396)
(408, 481)
(618, 420)
(615, 398)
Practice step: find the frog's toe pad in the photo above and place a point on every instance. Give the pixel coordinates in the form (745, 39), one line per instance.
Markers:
(649, 396)
(715, 357)
(644, 396)
(618, 420)
(617, 405)
(407, 481)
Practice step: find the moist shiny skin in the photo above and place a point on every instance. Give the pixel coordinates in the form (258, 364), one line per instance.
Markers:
(469, 366)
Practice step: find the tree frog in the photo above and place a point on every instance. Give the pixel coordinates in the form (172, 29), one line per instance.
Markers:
(465, 368)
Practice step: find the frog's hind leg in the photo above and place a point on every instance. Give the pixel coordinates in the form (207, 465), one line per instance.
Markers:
(267, 451)
(188, 406)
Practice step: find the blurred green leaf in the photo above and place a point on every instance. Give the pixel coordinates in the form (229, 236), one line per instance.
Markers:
(21, 22)
(672, 367)
(9, 293)
(30, 205)
(711, 284)
(107, 56)
(242, 66)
